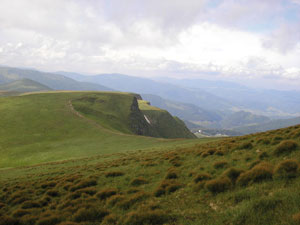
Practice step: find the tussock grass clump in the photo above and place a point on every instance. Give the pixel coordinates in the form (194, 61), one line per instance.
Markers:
(172, 174)
(68, 223)
(89, 191)
(233, 174)
(220, 152)
(260, 211)
(52, 193)
(264, 141)
(285, 147)
(90, 214)
(242, 196)
(218, 185)
(84, 184)
(150, 217)
(138, 181)
(48, 184)
(263, 155)
(276, 140)
(167, 187)
(296, 218)
(113, 200)
(114, 174)
(246, 145)
(20, 213)
(202, 177)
(30, 204)
(52, 220)
(6, 220)
(106, 193)
(110, 219)
(137, 197)
(261, 172)
(287, 169)
(220, 164)
(2, 205)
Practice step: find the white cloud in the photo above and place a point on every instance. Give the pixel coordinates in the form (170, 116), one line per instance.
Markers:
(149, 37)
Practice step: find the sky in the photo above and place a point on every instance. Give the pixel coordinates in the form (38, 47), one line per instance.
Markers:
(254, 42)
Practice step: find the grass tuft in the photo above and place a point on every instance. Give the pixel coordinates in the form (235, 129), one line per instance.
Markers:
(287, 169)
(285, 147)
(218, 185)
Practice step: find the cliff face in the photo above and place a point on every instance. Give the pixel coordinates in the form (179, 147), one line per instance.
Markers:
(138, 123)
(156, 123)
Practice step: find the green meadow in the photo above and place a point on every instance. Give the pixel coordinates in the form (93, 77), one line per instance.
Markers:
(38, 128)
(99, 173)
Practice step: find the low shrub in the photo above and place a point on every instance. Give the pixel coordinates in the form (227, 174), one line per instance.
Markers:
(220, 164)
(138, 181)
(114, 174)
(233, 174)
(90, 214)
(202, 177)
(104, 194)
(287, 169)
(218, 185)
(285, 147)
(261, 172)
(151, 217)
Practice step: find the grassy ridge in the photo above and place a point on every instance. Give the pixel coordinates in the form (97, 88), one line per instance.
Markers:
(39, 128)
(253, 179)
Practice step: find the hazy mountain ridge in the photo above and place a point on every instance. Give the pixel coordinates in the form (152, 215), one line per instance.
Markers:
(52, 80)
(24, 85)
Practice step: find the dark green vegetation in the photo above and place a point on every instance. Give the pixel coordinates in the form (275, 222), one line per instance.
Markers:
(45, 127)
(24, 85)
(242, 180)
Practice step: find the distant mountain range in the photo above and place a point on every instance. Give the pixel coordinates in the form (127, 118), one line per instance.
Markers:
(51, 80)
(211, 105)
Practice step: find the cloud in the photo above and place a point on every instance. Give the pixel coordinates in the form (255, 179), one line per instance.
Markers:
(284, 39)
(230, 38)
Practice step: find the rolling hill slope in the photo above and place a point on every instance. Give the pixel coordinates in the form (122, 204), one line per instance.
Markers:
(247, 180)
(45, 127)
(24, 85)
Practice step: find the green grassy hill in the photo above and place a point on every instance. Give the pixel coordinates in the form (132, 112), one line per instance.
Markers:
(24, 85)
(248, 180)
(43, 127)
(163, 122)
